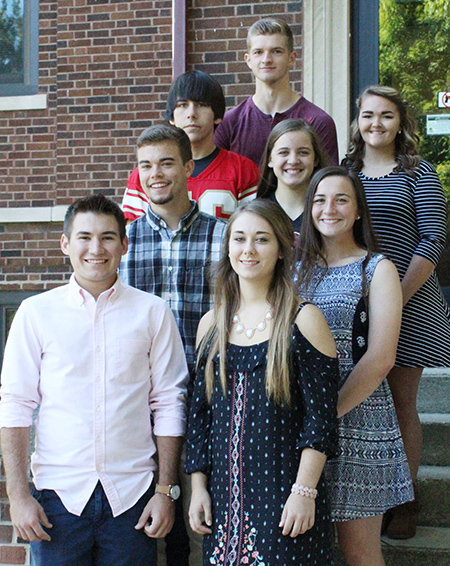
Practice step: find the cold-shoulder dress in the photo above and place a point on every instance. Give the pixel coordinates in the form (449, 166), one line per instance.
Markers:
(370, 473)
(250, 450)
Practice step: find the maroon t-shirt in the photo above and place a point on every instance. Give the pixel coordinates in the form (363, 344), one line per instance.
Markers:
(245, 129)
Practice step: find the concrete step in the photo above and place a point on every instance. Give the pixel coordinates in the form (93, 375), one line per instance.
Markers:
(436, 439)
(434, 496)
(430, 547)
(434, 391)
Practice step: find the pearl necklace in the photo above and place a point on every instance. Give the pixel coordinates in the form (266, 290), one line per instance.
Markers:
(250, 332)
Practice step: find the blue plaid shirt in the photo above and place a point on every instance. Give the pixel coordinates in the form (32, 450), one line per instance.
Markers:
(175, 265)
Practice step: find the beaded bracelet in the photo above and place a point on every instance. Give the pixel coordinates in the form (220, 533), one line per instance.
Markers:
(305, 491)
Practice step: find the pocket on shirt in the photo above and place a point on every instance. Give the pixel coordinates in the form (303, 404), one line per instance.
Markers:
(196, 287)
(132, 361)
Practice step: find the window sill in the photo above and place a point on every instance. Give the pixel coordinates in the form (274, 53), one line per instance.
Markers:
(35, 214)
(31, 102)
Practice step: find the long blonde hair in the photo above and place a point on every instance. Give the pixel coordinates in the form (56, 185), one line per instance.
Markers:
(281, 296)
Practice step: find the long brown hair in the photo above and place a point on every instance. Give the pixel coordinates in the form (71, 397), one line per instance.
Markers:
(268, 183)
(311, 244)
(281, 296)
(406, 141)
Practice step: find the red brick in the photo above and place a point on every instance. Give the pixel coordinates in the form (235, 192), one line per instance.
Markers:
(4, 510)
(12, 554)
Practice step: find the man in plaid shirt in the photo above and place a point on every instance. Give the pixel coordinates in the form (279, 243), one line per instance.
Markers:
(170, 251)
(172, 247)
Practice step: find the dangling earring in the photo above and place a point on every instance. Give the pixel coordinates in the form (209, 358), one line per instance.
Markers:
(399, 132)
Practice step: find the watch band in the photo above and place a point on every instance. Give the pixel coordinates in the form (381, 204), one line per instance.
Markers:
(172, 491)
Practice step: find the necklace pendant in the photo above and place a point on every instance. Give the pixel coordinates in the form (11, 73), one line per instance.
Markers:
(250, 332)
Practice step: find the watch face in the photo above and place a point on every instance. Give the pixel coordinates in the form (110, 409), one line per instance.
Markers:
(175, 492)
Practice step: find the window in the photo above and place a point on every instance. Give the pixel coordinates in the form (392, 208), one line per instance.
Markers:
(19, 47)
(9, 303)
(364, 47)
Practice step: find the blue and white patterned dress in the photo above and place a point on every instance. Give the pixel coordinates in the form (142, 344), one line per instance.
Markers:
(250, 450)
(370, 474)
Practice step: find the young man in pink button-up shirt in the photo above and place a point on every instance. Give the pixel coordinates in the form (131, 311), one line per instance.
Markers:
(98, 357)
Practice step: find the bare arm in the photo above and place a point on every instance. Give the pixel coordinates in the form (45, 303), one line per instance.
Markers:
(314, 327)
(159, 514)
(299, 511)
(26, 513)
(204, 325)
(385, 307)
(418, 272)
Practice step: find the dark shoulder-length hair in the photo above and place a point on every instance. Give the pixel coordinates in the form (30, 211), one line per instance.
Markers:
(406, 141)
(198, 87)
(268, 183)
(281, 296)
(311, 245)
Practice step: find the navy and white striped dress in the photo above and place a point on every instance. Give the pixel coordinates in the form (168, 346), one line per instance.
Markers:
(409, 217)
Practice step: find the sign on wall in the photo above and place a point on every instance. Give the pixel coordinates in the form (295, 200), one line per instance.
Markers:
(438, 124)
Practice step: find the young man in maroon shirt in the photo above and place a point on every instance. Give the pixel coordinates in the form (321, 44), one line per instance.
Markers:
(246, 128)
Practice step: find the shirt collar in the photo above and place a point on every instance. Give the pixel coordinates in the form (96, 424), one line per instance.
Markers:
(80, 295)
(157, 223)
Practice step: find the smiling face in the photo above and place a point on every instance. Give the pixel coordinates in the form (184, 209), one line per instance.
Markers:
(196, 119)
(95, 250)
(253, 248)
(293, 160)
(269, 57)
(164, 176)
(379, 122)
(334, 209)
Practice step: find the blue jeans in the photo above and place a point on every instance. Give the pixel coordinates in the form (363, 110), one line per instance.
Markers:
(95, 538)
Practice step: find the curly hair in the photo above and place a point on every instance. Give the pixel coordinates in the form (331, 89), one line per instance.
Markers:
(406, 141)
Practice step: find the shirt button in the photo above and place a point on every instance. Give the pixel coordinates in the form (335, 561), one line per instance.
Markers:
(98, 349)
(98, 439)
(170, 268)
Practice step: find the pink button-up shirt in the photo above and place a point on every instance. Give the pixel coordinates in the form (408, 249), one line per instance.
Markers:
(97, 369)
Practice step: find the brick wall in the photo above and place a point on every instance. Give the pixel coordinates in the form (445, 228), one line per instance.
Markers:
(217, 32)
(31, 258)
(105, 66)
